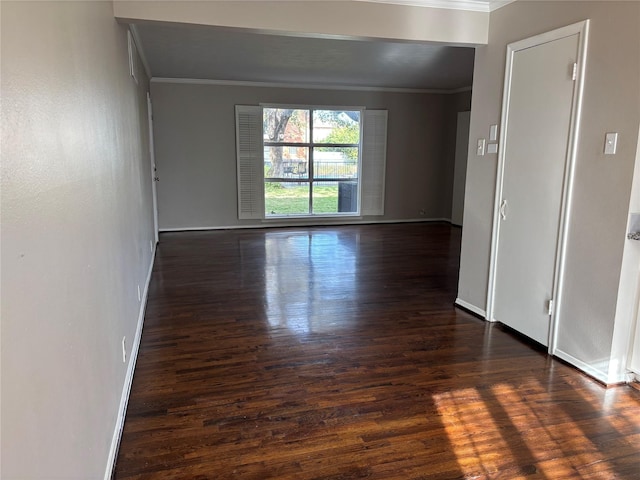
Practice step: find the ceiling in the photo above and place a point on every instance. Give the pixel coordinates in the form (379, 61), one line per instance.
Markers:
(212, 53)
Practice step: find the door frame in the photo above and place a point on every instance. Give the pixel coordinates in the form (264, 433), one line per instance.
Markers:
(582, 30)
(152, 158)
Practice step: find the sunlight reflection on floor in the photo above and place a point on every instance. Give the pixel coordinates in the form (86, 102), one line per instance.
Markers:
(306, 301)
(559, 447)
(472, 431)
(503, 430)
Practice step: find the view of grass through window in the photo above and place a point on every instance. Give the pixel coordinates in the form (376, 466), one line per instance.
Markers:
(293, 199)
(311, 161)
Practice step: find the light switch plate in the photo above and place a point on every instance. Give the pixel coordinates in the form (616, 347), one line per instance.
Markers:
(610, 143)
(492, 148)
(493, 133)
(481, 145)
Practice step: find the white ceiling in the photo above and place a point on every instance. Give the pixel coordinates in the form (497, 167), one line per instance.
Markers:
(201, 52)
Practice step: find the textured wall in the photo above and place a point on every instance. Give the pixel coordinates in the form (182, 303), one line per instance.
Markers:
(76, 231)
(194, 131)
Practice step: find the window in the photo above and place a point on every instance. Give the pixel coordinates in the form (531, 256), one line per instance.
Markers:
(311, 161)
(305, 162)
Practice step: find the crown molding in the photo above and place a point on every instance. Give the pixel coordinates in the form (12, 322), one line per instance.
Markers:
(309, 86)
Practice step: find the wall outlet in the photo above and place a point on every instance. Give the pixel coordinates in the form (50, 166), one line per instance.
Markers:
(139, 297)
(422, 212)
(610, 143)
(124, 349)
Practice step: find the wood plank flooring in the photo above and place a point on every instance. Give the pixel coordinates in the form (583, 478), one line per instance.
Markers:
(336, 353)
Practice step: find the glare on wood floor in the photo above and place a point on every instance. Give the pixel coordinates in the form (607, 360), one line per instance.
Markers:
(337, 353)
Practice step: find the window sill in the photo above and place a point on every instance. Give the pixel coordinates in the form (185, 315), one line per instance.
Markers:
(279, 218)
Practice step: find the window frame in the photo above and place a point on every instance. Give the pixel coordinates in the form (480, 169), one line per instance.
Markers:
(310, 145)
(249, 122)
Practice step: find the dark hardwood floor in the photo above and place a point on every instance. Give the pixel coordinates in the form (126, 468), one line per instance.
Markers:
(336, 353)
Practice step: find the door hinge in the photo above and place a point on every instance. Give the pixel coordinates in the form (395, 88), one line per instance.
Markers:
(574, 74)
(550, 307)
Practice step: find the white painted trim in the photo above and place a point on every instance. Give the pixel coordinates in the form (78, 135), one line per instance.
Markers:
(495, 230)
(581, 29)
(373, 162)
(471, 308)
(310, 86)
(302, 106)
(590, 370)
(310, 218)
(311, 223)
(128, 379)
(152, 159)
(143, 58)
(249, 162)
(467, 5)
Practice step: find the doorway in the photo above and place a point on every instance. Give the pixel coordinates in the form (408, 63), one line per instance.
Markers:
(541, 107)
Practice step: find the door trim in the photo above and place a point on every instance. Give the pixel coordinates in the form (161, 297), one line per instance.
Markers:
(154, 173)
(582, 30)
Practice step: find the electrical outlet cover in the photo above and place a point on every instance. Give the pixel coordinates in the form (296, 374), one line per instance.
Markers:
(610, 143)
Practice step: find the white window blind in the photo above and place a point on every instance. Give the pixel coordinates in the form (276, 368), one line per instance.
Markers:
(250, 162)
(374, 159)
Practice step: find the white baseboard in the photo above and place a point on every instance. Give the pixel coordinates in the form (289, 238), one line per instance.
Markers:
(599, 375)
(305, 223)
(128, 379)
(471, 308)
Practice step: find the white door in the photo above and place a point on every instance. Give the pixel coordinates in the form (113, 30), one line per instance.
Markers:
(536, 146)
(460, 168)
(154, 170)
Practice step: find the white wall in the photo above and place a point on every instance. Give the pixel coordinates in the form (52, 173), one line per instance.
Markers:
(76, 232)
(602, 184)
(194, 130)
